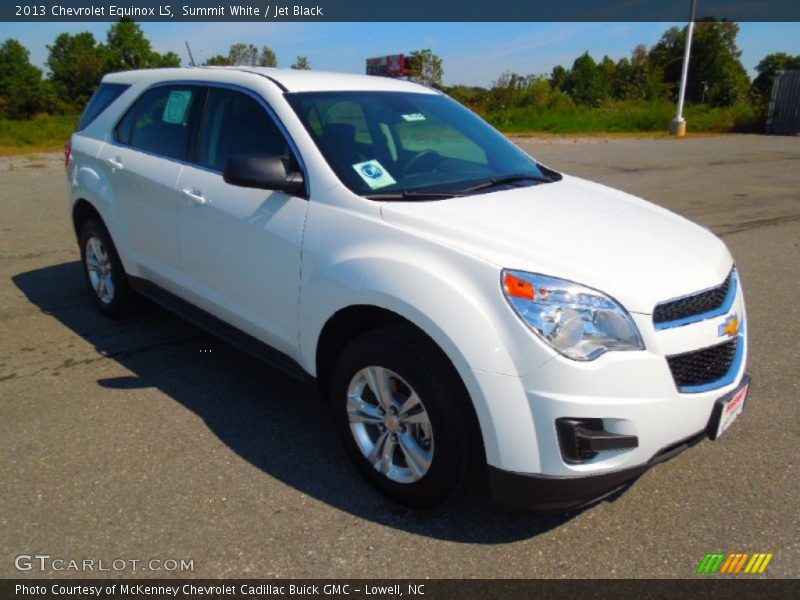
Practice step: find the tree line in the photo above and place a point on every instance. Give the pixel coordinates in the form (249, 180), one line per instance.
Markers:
(77, 62)
(717, 78)
(249, 55)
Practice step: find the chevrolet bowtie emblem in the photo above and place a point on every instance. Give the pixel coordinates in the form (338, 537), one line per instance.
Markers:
(729, 326)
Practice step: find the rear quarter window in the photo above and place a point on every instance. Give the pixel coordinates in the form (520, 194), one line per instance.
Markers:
(101, 100)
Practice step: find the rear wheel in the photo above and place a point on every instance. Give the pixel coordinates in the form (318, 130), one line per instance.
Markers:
(405, 418)
(103, 272)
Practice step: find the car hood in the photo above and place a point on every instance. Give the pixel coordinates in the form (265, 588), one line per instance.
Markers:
(636, 252)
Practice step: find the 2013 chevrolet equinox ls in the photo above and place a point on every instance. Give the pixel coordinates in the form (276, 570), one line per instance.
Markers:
(461, 306)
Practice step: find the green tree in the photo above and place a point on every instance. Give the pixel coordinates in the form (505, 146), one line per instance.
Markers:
(585, 82)
(558, 78)
(128, 48)
(243, 55)
(267, 58)
(426, 67)
(667, 55)
(635, 78)
(608, 72)
(768, 68)
(301, 64)
(21, 88)
(622, 86)
(512, 90)
(168, 59)
(76, 63)
(505, 90)
(533, 91)
(647, 80)
(716, 74)
(472, 96)
(217, 61)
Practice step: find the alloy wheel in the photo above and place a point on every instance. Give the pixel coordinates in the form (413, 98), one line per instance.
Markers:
(390, 424)
(98, 266)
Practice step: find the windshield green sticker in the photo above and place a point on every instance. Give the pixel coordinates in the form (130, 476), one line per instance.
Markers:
(177, 107)
(414, 117)
(373, 174)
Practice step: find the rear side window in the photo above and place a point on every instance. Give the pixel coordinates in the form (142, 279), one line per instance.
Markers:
(101, 100)
(235, 124)
(160, 122)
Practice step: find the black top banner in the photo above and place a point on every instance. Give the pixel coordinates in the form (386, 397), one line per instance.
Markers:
(400, 10)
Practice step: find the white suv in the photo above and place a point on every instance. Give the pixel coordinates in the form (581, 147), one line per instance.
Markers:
(462, 307)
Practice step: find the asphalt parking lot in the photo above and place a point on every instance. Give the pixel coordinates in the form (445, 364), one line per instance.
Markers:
(148, 438)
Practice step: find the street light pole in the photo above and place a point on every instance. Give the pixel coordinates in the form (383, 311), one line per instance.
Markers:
(678, 126)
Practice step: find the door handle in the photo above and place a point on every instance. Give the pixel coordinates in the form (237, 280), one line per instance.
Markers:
(115, 163)
(195, 196)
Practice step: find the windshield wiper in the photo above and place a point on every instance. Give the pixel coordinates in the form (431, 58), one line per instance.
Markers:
(413, 195)
(495, 181)
(423, 195)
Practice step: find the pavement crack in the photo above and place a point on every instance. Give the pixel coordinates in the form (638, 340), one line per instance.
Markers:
(730, 228)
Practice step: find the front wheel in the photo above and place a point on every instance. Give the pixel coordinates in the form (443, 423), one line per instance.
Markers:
(405, 418)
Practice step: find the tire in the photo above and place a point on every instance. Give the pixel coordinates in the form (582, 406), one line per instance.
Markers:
(436, 451)
(103, 272)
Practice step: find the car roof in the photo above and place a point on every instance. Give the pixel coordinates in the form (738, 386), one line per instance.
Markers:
(291, 80)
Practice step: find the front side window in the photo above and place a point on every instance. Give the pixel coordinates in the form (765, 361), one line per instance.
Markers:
(396, 145)
(161, 121)
(236, 124)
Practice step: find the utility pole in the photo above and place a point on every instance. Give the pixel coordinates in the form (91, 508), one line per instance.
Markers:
(678, 126)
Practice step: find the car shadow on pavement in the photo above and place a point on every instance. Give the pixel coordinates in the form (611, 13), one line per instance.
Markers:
(267, 418)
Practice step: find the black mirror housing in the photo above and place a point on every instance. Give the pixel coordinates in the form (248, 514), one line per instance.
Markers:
(262, 171)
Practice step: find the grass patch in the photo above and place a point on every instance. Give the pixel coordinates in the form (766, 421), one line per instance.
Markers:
(742, 118)
(624, 117)
(48, 133)
(45, 133)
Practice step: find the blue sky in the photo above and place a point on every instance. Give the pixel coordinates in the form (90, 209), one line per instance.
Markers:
(473, 53)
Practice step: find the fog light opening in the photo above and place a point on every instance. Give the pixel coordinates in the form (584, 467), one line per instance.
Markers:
(581, 440)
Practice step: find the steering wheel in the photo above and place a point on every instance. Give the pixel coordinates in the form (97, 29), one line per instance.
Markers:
(426, 158)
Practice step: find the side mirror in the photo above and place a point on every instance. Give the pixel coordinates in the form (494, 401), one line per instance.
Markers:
(262, 171)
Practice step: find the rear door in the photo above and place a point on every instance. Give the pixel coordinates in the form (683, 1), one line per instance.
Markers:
(145, 161)
(241, 246)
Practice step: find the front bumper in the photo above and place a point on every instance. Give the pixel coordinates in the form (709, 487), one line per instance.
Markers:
(545, 495)
(548, 495)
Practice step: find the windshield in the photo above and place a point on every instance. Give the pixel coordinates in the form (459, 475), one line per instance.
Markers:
(396, 145)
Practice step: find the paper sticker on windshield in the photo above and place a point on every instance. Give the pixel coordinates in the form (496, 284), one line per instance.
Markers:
(373, 174)
(177, 107)
(414, 117)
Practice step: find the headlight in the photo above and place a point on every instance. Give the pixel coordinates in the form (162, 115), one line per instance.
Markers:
(579, 322)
